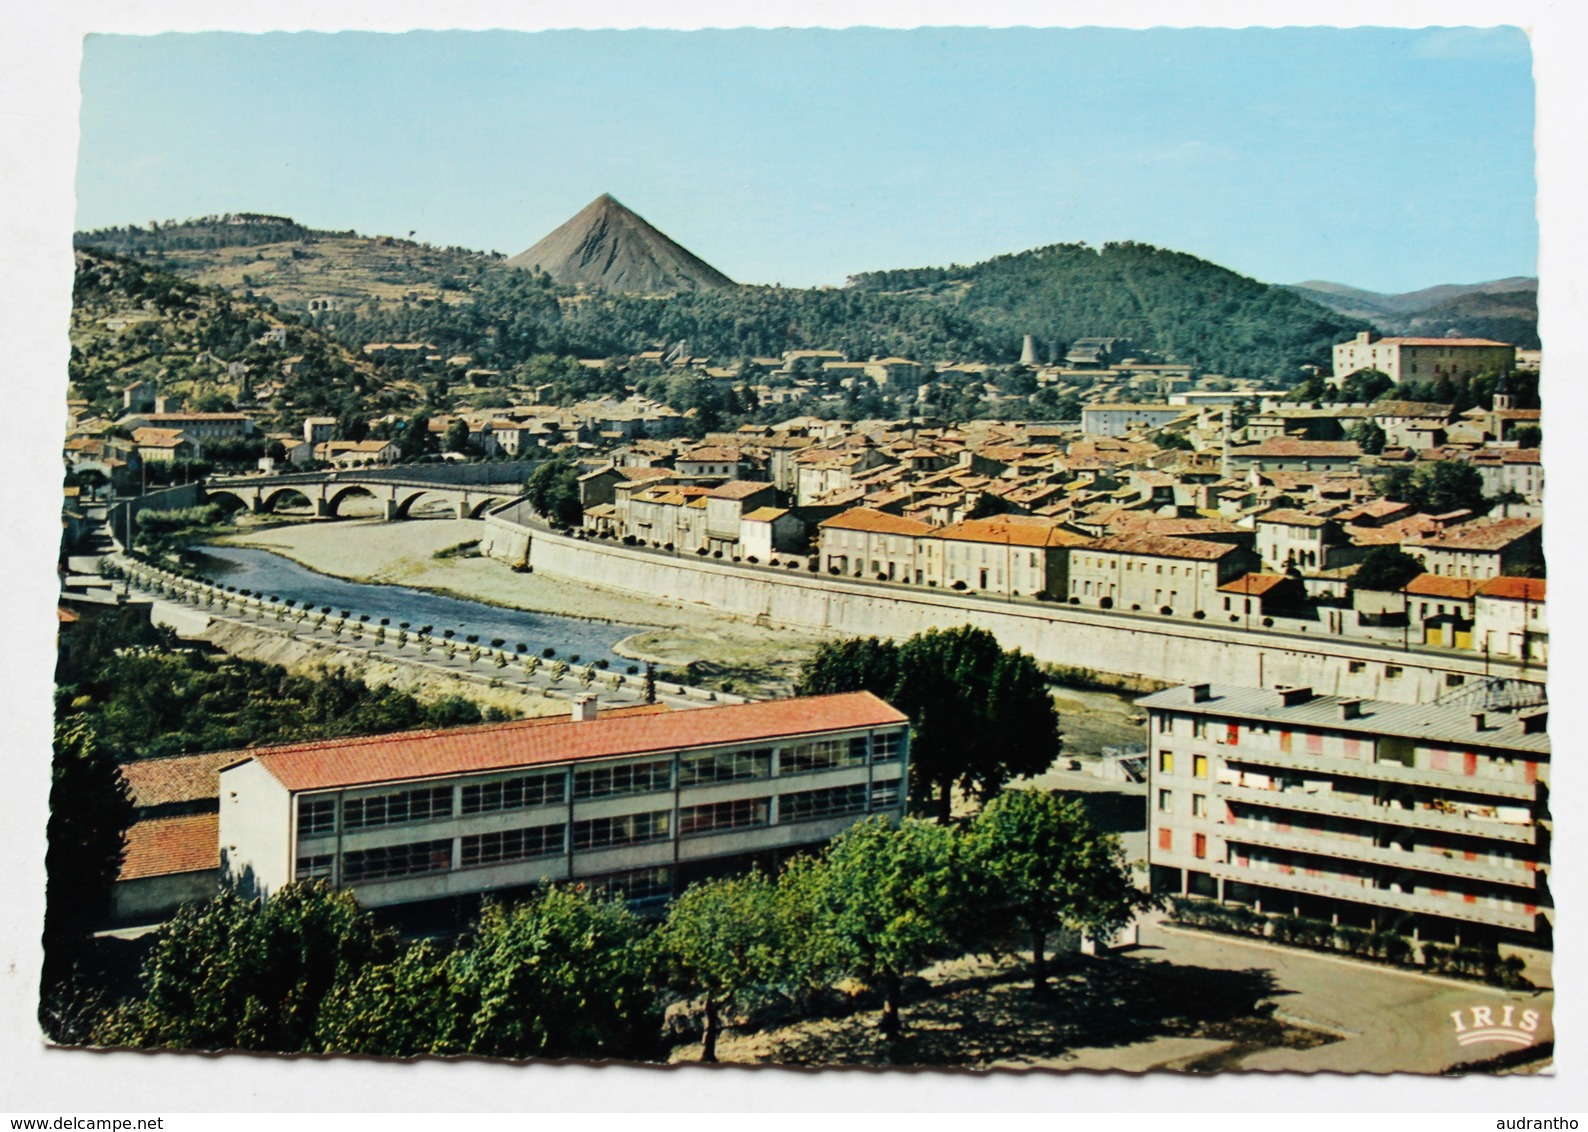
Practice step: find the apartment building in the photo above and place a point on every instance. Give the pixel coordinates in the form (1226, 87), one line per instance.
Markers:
(1424, 818)
(1510, 619)
(865, 543)
(1155, 573)
(639, 802)
(1483, 549)
(1423, 359)
(1006, 555)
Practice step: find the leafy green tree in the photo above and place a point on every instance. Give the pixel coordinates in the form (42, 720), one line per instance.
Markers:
(1451, 485)
(890, 900)
(721, 937)
(416, 439)
(90, 811)
(1049, 868)
(456, 438)
(408, 1006)
(563, 975)
(249, 974)
(1365, 385)
(1369, 437)
(1528, 436)
(1399, 484)
(980, 715)
(553, 490)
(1386, 569)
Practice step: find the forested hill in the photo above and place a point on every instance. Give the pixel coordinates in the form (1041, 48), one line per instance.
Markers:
(360, 289)
(233, 230)
(132, 322)
(1176, 305)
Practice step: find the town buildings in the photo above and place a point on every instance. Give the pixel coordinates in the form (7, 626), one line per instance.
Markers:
(1427, 818)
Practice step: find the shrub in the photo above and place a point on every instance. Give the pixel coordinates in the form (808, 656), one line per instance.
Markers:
(548, 653)
(958, 586)
(633, 670)
(603, 663)
(1200, 615)
(1166, 610)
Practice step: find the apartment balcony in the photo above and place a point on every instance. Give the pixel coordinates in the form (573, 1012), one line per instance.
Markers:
(1323, 802)
(1384, 772)
(1451, 907)
(1324, 845)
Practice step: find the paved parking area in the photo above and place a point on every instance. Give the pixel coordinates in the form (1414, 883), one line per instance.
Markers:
(1389, 1021)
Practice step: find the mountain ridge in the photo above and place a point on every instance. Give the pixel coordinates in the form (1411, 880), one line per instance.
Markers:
(608, 246)
(1504, 309)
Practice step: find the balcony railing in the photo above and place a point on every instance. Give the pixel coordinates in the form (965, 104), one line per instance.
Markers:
(1323, 802)
(1383, 772)
(1323, 845)
(1453, 907)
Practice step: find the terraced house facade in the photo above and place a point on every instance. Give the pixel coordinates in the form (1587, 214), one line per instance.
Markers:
(1428, 818)
(639, 803)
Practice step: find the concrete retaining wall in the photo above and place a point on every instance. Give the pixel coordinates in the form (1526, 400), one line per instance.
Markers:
(1175, 651)
(169, 499)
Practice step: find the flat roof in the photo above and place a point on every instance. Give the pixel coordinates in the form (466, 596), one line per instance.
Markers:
(1452, 724)
(404, 756)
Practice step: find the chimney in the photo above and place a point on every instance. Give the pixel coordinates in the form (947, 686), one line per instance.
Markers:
(584, 707)
(1290, 695)
(1350, 709)
(1480, 721)
(1201, 693)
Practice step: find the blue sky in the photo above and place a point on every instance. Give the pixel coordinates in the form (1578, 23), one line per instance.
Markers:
(1384, 158)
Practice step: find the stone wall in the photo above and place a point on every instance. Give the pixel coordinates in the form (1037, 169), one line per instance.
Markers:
(1161, 649)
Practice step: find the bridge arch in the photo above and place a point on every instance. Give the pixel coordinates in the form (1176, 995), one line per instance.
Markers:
(476, 510)
(231, 500)
(405, 503)
(334, 502)
(270, 500)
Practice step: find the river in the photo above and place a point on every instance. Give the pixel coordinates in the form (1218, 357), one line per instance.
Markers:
(263, 571)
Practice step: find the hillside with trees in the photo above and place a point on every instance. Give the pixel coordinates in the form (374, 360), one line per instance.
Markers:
(1170, 304)
(370, 289)
(133, 322)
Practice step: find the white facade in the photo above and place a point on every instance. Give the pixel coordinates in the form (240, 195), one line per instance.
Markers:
(1361, 810)
(637, 822)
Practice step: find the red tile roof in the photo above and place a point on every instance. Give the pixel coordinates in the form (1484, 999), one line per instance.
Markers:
(1289, 446)
(738, 489)
(1516, 589)
(164, 846)
(1163, 546)
(1496, 534)
(1013, 530)
(465, 750)
(1292, 518)
(1440, 342)
(1253, 585)
(183, 778)
(1433, 585)
(877, 522)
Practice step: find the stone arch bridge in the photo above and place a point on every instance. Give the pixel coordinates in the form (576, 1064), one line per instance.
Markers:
(470, 497)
